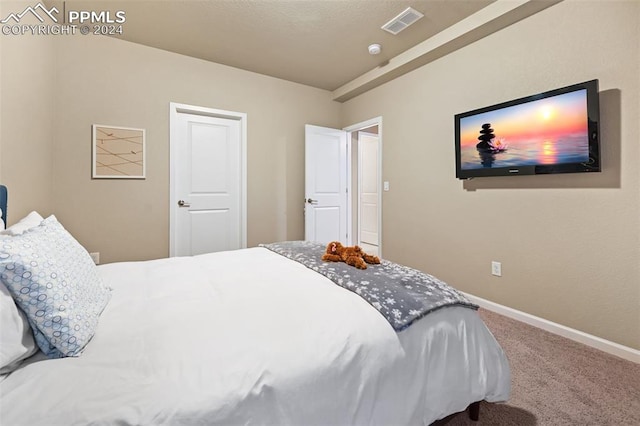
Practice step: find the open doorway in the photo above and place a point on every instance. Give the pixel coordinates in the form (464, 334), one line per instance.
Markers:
(366, 185)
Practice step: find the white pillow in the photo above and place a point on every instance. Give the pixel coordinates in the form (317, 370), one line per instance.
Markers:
(31, 220)
(16, 337)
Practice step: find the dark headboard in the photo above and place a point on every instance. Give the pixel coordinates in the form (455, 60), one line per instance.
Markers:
(3, 203)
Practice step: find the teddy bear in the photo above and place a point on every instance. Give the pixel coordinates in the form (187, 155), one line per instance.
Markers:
(353, 256)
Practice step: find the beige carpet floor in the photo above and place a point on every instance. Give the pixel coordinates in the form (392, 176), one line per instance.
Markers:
(556, 381)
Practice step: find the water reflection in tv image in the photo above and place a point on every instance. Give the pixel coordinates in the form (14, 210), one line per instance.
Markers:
(542, 132)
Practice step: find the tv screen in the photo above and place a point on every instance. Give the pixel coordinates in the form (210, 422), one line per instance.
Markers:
(551, 132)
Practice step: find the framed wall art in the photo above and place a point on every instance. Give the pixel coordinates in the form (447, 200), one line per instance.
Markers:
(118, 152)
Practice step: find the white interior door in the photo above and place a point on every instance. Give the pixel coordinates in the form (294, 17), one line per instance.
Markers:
(207, 160)
(325, 184)
(368, 191)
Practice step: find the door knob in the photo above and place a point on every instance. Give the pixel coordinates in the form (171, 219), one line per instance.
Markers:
(310, 201)
(181, 203)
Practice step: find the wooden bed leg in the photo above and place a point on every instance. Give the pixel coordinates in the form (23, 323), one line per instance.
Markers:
(474, 411)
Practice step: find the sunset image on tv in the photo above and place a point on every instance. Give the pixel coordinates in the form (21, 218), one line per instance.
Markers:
(548, 131)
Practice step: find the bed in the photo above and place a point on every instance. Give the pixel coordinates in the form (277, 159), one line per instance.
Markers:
(3, 206)
(248, 337)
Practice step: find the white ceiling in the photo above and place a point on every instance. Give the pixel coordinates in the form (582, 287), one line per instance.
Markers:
(320, 43)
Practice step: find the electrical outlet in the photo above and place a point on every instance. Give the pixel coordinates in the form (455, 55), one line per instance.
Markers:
(496, 268)
(95, 257)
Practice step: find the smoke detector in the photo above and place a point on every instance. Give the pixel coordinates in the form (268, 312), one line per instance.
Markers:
(402, 21)
(374, 49)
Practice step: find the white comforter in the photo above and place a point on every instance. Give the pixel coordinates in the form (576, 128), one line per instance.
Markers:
(223, 339)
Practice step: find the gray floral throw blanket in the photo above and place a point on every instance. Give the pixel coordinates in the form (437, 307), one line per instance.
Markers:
(401, 294)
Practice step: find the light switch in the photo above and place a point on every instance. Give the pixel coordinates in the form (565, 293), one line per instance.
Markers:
(385, 185)
(496, 268)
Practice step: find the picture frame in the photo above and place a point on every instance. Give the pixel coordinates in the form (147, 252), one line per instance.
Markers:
(118, 152)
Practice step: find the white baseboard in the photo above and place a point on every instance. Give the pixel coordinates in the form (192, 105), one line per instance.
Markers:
(607, 346)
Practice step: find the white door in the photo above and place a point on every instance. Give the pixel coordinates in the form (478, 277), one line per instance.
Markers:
(369, 191)
(207, 213)
(325, 184)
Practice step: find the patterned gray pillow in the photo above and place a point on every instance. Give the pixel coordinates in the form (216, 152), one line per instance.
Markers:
(54, 281)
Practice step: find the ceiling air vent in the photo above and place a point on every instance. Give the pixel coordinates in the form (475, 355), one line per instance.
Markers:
(402, 21)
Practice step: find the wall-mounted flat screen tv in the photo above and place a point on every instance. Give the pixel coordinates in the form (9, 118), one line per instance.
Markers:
(551, 132)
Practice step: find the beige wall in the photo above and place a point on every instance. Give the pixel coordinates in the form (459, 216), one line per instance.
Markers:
(106, 81)
(26, 122)
(569, 244)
